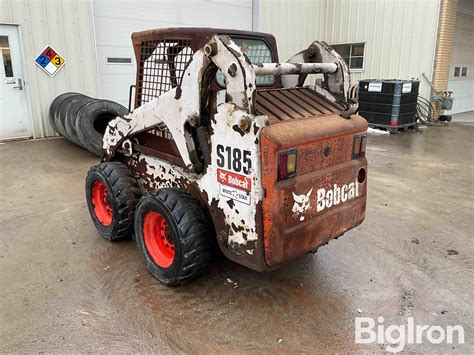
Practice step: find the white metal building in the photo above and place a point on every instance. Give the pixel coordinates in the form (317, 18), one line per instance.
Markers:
(379, 39)
(461, 73)
(394, 39)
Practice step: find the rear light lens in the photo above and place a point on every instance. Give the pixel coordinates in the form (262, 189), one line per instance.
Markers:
(286, 164)
(358, 148)
(363, 142)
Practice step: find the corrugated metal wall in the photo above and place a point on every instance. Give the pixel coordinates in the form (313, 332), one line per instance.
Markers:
(67, 27)
(399, 36)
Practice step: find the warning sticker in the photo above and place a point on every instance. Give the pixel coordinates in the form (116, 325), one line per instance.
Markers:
(233, 179)
(50, 61)
(375, 87)
(406, 88)
(235, 194)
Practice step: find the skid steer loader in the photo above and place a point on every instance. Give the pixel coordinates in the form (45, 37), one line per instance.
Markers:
(227, 144)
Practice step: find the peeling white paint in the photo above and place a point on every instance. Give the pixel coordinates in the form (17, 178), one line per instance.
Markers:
(226, 117)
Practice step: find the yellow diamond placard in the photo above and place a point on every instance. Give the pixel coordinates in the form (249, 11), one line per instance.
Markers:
(57, 60)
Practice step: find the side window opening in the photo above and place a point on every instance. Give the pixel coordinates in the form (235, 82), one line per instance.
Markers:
(258, 52)
(161, 67)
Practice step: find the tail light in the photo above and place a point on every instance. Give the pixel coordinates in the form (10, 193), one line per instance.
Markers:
(286, 164)
(363, 143)
(358, 148)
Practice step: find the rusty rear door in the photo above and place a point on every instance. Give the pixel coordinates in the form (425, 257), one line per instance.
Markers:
(326, 196)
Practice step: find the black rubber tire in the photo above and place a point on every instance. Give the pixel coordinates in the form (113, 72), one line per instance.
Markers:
(92, 120)
(53, 107)
(123, 193)
(71, 116)
(60, 114)
(189, 229)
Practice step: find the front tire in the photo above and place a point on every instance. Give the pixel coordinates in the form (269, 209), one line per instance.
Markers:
(173, 236)
(112, 194)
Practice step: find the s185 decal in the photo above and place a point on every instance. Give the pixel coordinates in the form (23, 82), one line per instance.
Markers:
(234, 159)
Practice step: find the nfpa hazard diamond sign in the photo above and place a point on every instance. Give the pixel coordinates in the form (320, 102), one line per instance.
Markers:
(50, 61)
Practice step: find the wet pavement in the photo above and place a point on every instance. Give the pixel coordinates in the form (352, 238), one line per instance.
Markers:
(63, 288)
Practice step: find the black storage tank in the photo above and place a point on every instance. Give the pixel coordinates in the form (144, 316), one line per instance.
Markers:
(388, 104)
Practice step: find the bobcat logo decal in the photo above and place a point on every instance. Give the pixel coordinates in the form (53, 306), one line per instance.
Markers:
(222, 175)
(301, 204)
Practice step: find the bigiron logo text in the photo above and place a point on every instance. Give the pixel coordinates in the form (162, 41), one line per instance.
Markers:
(396, 336)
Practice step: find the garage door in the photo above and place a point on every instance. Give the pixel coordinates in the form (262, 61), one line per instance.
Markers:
(115, 21)
(461, 76)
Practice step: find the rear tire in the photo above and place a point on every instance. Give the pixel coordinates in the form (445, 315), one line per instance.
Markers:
(173, 236)
(112, 194)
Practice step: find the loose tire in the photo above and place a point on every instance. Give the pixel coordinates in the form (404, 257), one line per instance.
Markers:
(92, 121)
(112, 194)
(60, 114)
(173, 236)
(54, 106)
(71, 116)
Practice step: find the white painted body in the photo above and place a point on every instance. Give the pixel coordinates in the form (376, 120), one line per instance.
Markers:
(166, 174)
(167, 111)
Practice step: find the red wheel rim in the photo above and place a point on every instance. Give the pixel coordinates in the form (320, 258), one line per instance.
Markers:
(101, 203)
(158, 240)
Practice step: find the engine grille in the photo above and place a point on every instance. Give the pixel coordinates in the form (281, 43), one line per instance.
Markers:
(287, 104)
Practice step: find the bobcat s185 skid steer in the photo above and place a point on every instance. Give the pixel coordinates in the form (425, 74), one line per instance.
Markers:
(225, 144)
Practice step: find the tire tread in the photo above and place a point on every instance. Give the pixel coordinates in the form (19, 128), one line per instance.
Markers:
(193, 228)
(126, 193)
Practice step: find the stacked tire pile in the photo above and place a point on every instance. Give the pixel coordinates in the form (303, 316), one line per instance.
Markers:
(82, 119)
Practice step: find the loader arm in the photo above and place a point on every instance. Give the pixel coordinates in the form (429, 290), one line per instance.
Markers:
(337, 83)
(180, 108)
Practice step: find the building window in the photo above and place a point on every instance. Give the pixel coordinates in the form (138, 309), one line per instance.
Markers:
(7, 60)
(353, 54)
(460, 72)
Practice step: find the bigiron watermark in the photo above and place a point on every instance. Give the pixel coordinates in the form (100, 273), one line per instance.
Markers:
(397, 336)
